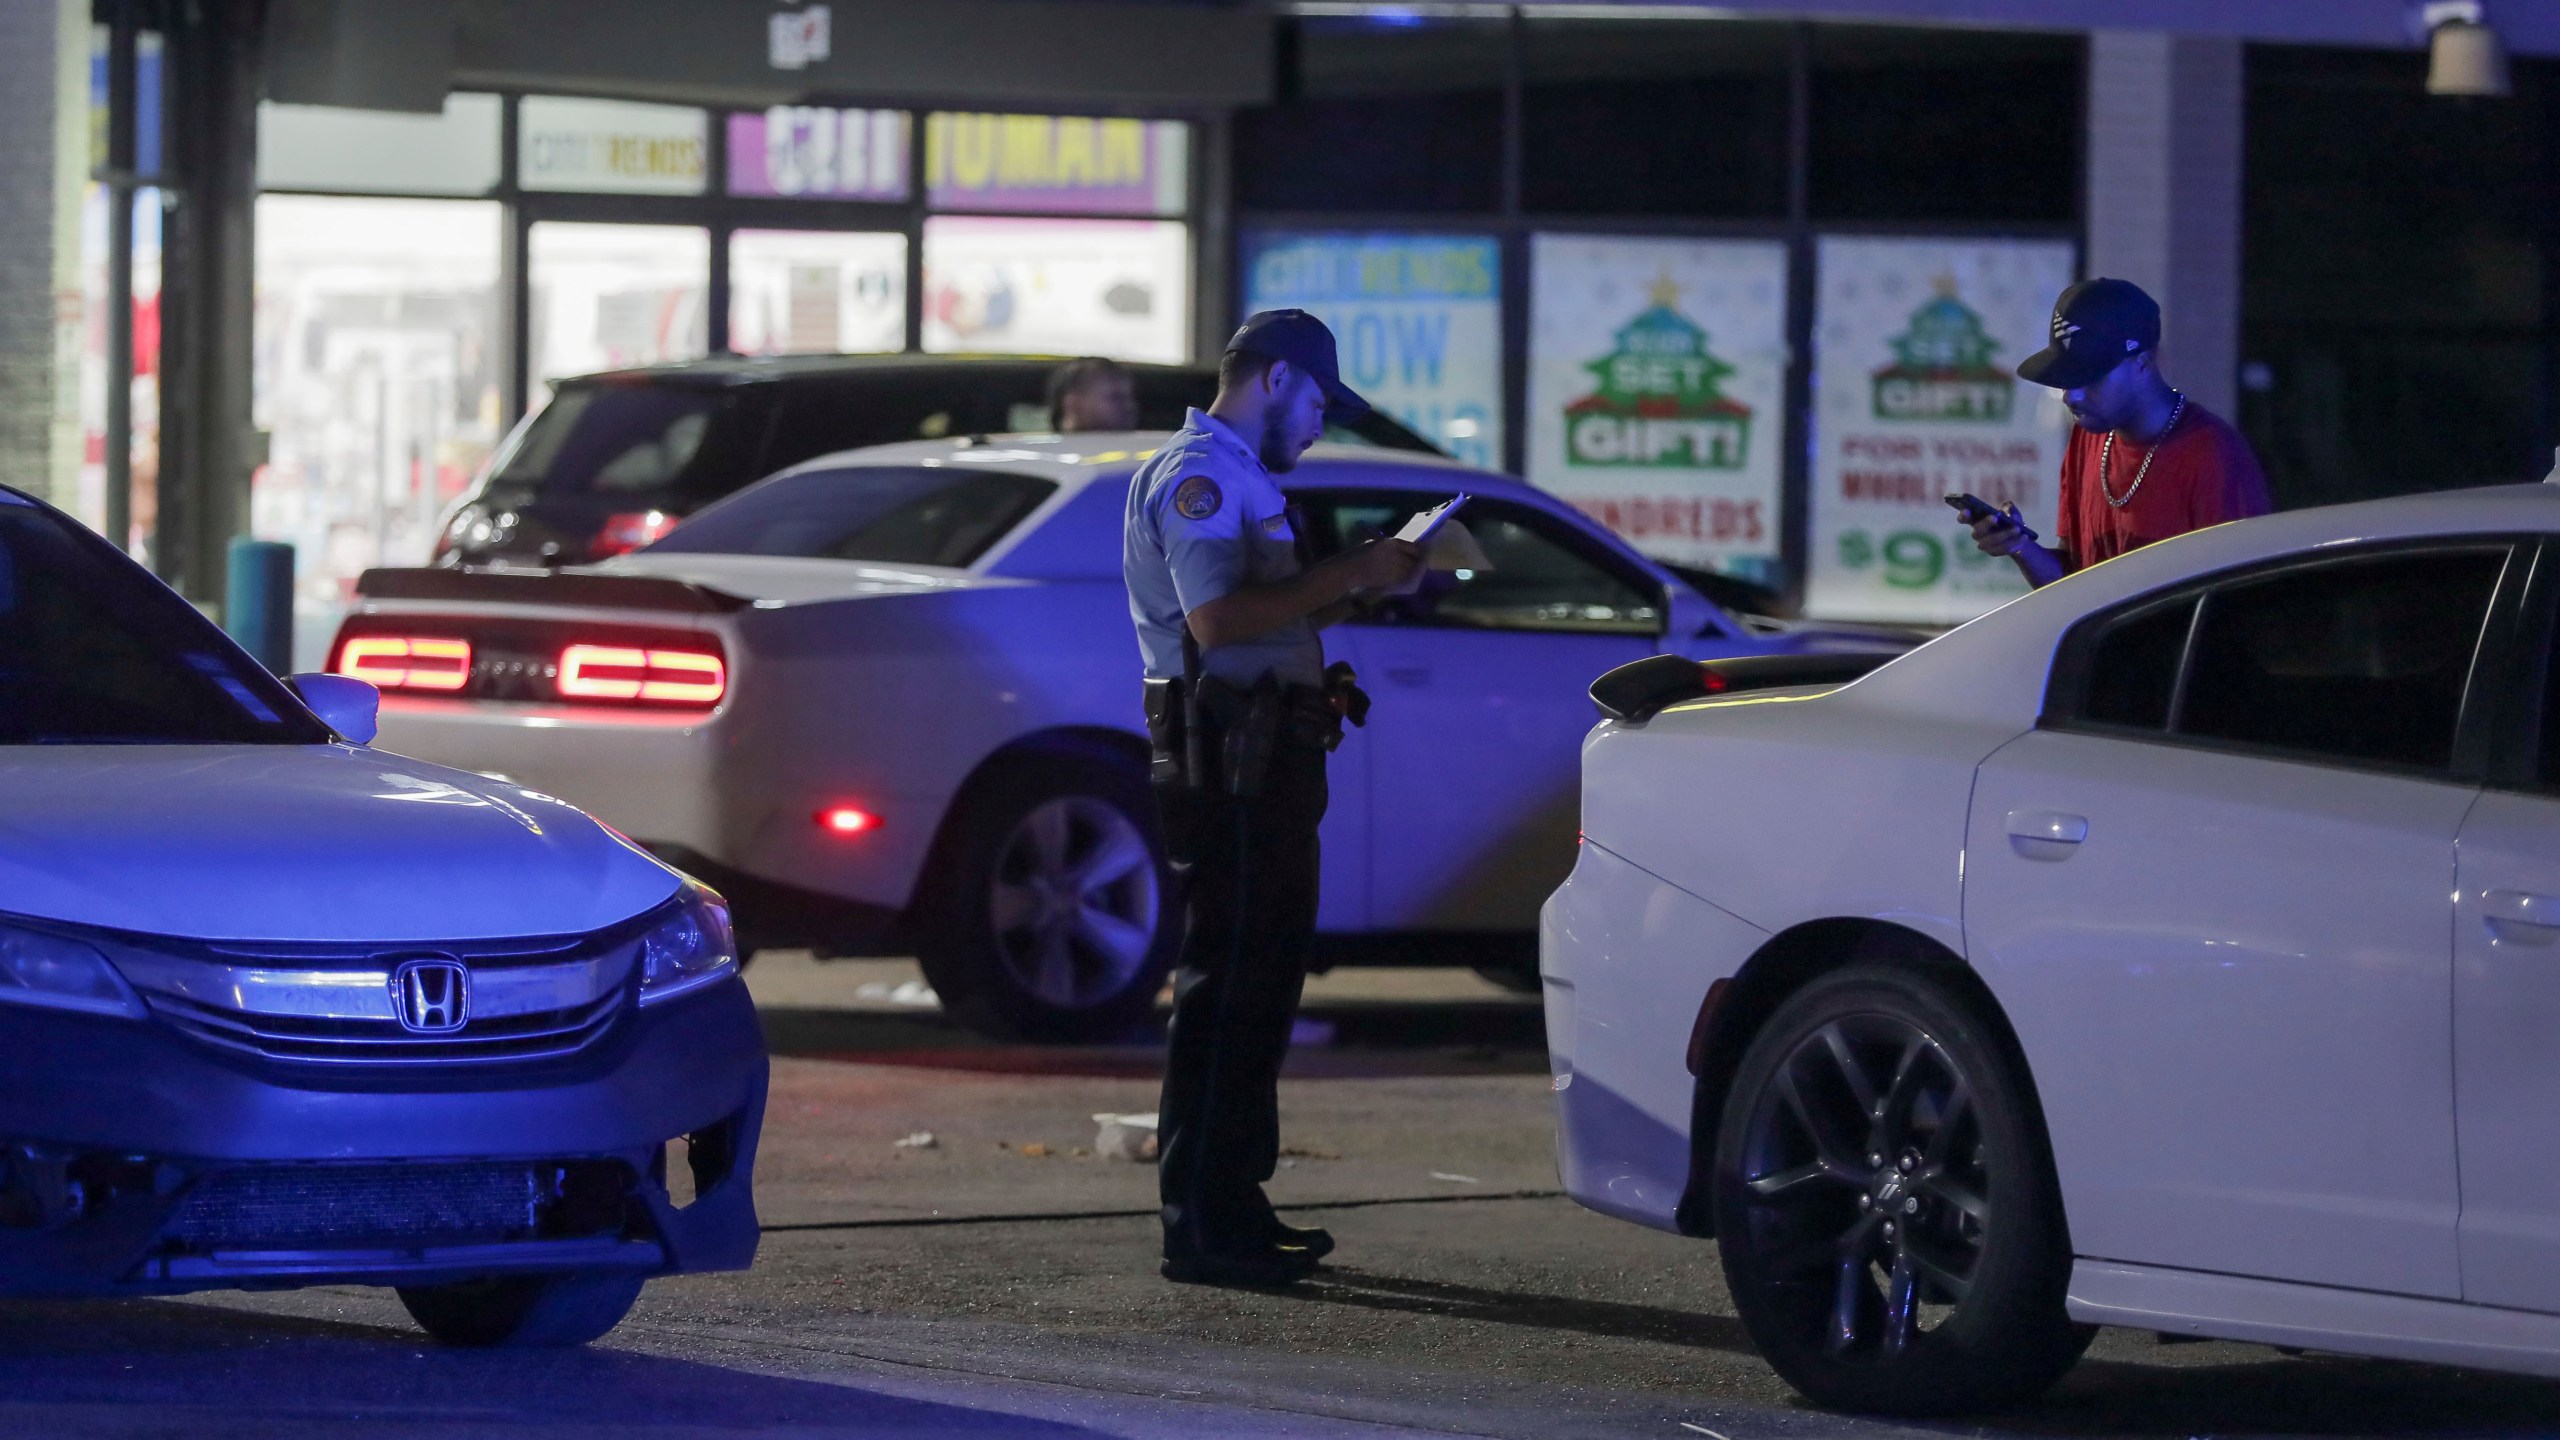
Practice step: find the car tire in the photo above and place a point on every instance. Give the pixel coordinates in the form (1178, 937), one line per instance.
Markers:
(1049, 915)
(522, 1311)
(1886, 1208)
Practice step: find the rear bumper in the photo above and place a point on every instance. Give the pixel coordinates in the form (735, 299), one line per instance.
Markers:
(118, 1135)
(709, 796)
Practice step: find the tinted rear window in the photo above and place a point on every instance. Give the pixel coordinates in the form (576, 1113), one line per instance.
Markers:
(637, 441)
(939, 515)
(95, 652)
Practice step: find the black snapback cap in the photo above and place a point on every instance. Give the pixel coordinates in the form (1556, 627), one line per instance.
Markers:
(1303, 341)
(2096, 323)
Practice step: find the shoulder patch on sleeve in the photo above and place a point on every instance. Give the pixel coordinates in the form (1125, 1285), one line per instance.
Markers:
(1198, 498)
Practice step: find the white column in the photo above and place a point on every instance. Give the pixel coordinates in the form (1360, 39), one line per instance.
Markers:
(44, 156)
(2165, 115)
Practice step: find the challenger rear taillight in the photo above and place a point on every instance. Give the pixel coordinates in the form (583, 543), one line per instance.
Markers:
(628, 532)
(642, 674)
(406, 662)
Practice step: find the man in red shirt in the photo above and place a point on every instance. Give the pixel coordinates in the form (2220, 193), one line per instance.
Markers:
(2145, 462)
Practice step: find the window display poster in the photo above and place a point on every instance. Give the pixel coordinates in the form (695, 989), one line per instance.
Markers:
(1417, 320)
(808, 150)
(1657, 390)
(1916, 397)
(1120, 288)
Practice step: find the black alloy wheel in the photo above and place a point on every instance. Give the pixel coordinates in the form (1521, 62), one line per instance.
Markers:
(1889, 1223)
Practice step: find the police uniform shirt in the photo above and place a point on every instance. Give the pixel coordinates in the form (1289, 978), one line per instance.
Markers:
(1205, 519)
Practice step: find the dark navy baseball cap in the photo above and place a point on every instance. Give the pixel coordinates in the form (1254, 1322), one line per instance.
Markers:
(1303, 341)
(2096, 323)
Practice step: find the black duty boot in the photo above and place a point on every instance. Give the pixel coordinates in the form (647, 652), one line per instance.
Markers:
(1317, 1242)
(1263, 1267)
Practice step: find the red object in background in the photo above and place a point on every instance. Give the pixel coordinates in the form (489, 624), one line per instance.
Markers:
(405, 662)
(628, 672)
(625, 533)
(847, 820)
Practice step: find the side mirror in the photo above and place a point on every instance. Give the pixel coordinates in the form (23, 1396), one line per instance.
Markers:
(347, 705)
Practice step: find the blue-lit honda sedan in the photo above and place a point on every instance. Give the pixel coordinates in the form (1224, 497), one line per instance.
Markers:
(279, 1009)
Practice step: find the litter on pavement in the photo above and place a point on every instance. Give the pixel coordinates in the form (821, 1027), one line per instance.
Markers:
(1125, 1137)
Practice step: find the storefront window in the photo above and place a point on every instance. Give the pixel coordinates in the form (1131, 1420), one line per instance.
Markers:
(609, 296)
(90, 498)
(1924, 124)
(1392, 111)
(810, 291)
(376, 380)
(1666, 117)
(1058, 287)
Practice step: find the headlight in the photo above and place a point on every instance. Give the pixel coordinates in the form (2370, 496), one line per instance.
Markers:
(41, 969)
(689, 949)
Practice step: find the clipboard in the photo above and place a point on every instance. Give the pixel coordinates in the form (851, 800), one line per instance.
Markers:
(1423, 526)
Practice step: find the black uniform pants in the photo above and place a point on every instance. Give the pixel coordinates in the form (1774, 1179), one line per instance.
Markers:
(1248, 870)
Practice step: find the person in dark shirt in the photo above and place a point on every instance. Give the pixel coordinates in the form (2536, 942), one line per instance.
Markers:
(2144, 463)
(1092, 394)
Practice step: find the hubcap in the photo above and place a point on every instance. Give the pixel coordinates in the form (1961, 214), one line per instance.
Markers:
(1867, 1200)
(1073, 903)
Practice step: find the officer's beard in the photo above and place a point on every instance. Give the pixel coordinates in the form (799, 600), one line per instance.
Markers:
(1278, 455)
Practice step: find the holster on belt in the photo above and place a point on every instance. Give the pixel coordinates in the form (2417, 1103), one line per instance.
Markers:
(1213, 736)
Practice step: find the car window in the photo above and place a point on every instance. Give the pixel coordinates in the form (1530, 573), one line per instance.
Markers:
(2133, 669)
(880, 409)
(634, 441)
(940, 515)
(1542, 578)
(95, 652)
(2363, 660)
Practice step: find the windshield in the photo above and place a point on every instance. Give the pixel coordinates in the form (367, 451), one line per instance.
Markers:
(940, 515)
(622, 440)
(95, 652)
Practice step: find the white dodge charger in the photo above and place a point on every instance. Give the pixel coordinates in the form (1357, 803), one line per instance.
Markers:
(888, 702)
(2175, 947)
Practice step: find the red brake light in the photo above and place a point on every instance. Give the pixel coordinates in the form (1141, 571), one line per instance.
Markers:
(406, 662)
(628, 672)
(627, 532)
(1713, 681)
(847, 820)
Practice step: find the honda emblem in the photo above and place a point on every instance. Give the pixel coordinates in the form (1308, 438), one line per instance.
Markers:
(432, 996)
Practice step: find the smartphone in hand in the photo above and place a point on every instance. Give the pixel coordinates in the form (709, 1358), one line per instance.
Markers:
(1972, 509)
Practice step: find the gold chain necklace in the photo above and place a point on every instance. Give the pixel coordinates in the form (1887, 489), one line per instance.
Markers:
(2106, 452)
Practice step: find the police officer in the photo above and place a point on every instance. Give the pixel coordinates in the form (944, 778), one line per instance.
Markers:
(1241, 712)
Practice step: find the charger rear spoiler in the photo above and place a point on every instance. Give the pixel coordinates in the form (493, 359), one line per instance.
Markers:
(547, 587)
(1635, 692)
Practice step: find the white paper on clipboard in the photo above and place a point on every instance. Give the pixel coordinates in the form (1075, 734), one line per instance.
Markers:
(1423, 526)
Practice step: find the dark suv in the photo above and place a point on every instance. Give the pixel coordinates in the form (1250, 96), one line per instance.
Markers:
(617, 460)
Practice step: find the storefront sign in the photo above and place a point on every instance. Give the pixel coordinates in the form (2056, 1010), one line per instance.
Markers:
(1070, 164)
(612, 146)
(807, 150)
(1120, 288)
(1657, 389)
(1915, 347)
(1417, 319)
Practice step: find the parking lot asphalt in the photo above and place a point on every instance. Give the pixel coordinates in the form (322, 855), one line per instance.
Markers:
(999, 1281)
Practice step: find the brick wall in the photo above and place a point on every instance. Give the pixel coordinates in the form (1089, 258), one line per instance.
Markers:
(36, 316)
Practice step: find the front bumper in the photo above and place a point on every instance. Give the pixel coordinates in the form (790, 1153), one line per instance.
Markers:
(141, 1162)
